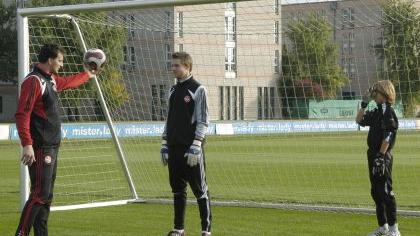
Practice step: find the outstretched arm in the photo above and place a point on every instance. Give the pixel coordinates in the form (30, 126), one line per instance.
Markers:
(72, 81)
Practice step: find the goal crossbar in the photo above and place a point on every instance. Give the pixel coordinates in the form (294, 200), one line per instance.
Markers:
(109, 6)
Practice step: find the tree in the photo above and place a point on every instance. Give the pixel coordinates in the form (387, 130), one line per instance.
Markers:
(8, 43)
(400, 51)
(312, 57)
(61, 31)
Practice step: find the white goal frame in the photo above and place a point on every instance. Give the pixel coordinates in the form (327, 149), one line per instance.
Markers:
(23, 64)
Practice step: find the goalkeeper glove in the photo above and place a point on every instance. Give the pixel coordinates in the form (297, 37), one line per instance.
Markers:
(366, 98)
(164, 152)
(193, 154)
(379, 165)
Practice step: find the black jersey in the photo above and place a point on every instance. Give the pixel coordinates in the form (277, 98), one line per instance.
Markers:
(383, 125)
(187, 113)
(38, 114)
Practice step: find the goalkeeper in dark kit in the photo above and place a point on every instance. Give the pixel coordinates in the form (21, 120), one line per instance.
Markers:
(383, 126)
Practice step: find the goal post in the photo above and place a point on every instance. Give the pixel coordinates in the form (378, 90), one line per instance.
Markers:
(23, 70)
(23, 48)
(62, 12)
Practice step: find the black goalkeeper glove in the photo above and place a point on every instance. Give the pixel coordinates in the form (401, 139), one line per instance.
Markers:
(379, 165)
(366, 97)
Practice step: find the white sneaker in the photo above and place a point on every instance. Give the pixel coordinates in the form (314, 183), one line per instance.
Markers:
(380, 231)
(394, 233)
(393, 230)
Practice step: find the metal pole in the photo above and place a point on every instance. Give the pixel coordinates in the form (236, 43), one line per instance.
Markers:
(107, 115)
(112, 6)
(23, 70)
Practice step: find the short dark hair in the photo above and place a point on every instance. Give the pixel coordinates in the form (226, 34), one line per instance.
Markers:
(185, 58)
(49, 51)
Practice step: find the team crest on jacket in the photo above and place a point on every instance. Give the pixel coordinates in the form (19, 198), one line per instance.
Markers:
(47, 160)
(187, 99)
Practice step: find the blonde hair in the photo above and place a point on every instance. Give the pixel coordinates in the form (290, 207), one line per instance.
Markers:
(386, 88)
(185, 58)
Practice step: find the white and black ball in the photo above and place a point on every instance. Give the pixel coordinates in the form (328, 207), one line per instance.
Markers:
(94, 58)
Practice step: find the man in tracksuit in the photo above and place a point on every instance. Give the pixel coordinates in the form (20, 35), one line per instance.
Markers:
(383, 125)
(39, 127)
(183, 141)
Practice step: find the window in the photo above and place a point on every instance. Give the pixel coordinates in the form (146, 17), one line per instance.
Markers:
(162, 97)
(347, 18)
(344, 64)
(129, 58)
(230, 28)
(132, 57)
(381, 39)
(241, 103)
(230, 60)
(231, 6)
(349, 95)
(1, 104)
(158, 102)
(351, 42)
(350, 63)
(125, 52)
(180, 23)
(272, 103)
(349, 67)
(180, 47)
(348, 43)
(276, 32)
(132, 26)
(276, 63)
(229, 102)
(167, 24)
(352, 68)
(222, 103)
(260, 104)
(155, 99)
(276, 6)
(320, 13)
(235, 102)
(168, 56)
(266, 103)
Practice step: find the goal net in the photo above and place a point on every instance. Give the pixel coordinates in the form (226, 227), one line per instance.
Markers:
(284, 83)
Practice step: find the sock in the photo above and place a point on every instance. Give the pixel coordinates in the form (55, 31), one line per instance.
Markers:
(180, 202)
(178, 230)
(205, 232)
(393, 228)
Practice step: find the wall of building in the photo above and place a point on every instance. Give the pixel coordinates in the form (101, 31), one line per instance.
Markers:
(355, 30)
(8, 102)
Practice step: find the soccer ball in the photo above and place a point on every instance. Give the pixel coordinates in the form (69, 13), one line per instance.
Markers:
(94, 58)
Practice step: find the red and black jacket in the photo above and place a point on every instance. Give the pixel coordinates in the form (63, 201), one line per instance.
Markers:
(38, 113)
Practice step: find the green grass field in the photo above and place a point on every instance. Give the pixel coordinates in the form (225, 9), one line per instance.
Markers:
(327, 169)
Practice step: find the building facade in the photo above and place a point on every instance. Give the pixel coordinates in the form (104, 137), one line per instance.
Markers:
(236, 49)
(355, 28)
